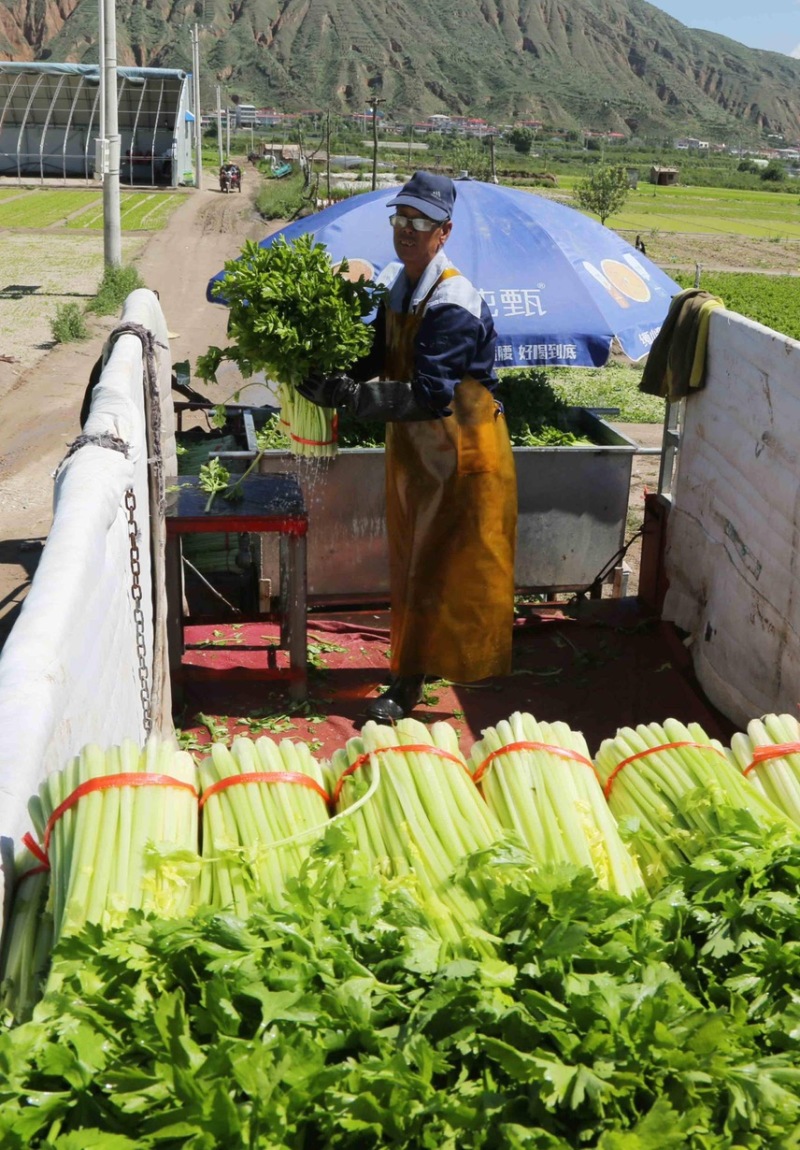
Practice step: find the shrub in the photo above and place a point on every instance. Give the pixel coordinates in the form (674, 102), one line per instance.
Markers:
(115, 287)
(68, 324)
(282, 199)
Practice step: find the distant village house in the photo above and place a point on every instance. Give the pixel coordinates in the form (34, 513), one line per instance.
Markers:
(663, 177)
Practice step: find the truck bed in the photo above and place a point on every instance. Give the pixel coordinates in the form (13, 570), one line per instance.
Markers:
(596, 664)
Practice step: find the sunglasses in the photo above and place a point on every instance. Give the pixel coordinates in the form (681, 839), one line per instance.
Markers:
(419, 224)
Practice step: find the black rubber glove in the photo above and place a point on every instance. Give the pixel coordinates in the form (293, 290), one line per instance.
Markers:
(329, 390)
(387, 400)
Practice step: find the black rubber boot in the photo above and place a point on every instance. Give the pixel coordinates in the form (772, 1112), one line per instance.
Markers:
(398, 701)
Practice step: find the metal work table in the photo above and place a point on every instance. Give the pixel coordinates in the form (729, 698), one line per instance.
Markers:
(270, 504)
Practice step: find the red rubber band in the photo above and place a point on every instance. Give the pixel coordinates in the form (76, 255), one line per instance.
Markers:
(561, 752)
(421, 748)
(654, 751)
(773, 751)
(30, 842)
(105, 783)
(264, 777)
(43, 869)
(312, 442)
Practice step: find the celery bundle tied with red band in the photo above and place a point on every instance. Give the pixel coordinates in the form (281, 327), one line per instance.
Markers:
(264, 806)
(293, 315)
(119, 829)
(414, 811)
(769, 756)
(539, 781)
(676, 791)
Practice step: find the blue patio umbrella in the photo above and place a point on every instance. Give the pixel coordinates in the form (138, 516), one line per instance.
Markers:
(561, 287)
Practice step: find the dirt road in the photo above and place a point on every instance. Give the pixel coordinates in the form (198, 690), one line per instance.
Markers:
(40, 394)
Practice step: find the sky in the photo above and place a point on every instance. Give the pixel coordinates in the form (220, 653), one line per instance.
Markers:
(770, 24)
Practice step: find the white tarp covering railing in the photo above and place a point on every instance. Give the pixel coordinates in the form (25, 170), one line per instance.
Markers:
(70, 671)
(733, 548)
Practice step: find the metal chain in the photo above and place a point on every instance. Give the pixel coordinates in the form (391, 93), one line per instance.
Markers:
(138, 614)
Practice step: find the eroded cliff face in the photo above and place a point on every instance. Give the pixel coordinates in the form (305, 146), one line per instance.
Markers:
(613, 64)
(28, 26)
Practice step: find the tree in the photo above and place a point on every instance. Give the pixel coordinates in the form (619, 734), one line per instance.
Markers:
(604, 191)
(467, 155)
(774, 171)
(521, 140)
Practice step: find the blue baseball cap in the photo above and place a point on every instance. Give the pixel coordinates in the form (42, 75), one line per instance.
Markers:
(428, 193)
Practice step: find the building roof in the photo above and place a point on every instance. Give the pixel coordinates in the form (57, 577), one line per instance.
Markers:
(89, 71)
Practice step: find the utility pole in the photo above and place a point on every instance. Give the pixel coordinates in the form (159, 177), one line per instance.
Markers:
(198, 135)
(219, 128)
(491, 153)
(112, 226)
(100, 164)
(328, 153)
(374, 107)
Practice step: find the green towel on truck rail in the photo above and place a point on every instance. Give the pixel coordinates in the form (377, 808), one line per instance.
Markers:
(676, 364)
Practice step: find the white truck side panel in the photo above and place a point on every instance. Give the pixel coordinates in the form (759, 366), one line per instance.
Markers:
(733, 530)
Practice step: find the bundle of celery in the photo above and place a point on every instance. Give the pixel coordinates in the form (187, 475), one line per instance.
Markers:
(292, 314)
(769, 755)
(264, 806)
(120, 830)
(28, 939)
(540, 782)
(414, 810)
(310, 430)
(675, 789)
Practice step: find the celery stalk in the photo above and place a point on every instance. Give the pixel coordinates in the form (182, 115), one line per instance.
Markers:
(85, 834)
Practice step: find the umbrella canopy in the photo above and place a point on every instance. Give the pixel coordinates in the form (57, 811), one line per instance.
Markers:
(560, 286)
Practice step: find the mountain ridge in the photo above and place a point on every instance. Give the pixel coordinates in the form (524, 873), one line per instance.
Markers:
(602, 64)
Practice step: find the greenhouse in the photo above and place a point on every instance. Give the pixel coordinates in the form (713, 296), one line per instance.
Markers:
(50, 122)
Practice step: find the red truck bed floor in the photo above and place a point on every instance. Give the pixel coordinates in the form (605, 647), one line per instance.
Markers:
(597, 665)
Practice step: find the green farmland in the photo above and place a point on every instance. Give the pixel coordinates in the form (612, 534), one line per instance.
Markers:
(720, 211)
(83, 208)
(745, 243)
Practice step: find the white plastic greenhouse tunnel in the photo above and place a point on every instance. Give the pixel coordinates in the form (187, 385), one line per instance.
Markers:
(50, 121)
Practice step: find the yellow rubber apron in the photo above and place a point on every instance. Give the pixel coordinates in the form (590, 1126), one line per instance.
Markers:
(451, 510)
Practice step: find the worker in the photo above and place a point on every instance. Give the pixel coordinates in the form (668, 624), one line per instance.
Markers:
(451, 497)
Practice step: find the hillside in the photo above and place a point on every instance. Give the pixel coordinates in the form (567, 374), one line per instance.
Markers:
(603, 64)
